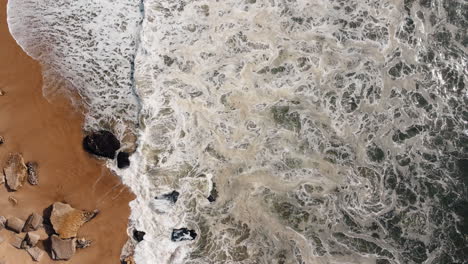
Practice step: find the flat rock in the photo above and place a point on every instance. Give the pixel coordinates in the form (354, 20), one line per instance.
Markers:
(32, 173)
(35, 253)
(101, 143)
(15, 224)
(33, 222)
(15, 171)
(17, 241)
(30, 240)
(62, 249)
(66, 220)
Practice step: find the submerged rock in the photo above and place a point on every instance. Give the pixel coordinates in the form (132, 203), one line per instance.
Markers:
(66, 220)
(138, 235)
(101, 143)
(35, 253)
(32, 223)
(62, 249)
(182, 234)
(15, 224)
(213, 194)
(122, 160)
(172, 196)
(32, 173)
(15, 171)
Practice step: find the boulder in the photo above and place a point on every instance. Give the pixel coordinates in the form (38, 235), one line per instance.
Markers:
(101, 143)
(15, 171)
(182, 234)
(30, 240)
(33, 222)
(32, 173)
(17, 241)
(2, 222)
(62, 249)
(15, 224)
(172, 196)
(138, 235)
(122, 160)
(66, 220)
(35, 253)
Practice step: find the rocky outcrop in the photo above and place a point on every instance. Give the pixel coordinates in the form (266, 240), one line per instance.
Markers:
(33, 222)
(32, 173)
(15, 224)
(182, 234)
(62, 249)
(15, 171)
(35, 253)
(101, 143)
(66, 220)
(123, 160)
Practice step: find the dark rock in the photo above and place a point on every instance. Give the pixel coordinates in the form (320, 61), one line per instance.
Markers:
(32, 223)
(15, 224)
(32, 173)
(375, 153)
(172, 196)
(62, 249)
(122, 160)
(182, 234)
(102, 143)
(213, 194)
(138, 235)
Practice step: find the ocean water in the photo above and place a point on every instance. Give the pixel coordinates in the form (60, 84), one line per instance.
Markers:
(320, 131)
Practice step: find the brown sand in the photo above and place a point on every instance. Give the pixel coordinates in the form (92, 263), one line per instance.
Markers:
(51, 135)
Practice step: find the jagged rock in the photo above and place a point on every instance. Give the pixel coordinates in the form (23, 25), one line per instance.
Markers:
(32, 173)
(33, 222)
(66, 220)
(15, 224)
(30, 240)
(182, 234)
(62, 249)
(15, 171)
(138, 235)
(122, 160)
(35, 253)
(101, 143)
(2, 222)
(17, 241)
(83, 243)
(172, 196)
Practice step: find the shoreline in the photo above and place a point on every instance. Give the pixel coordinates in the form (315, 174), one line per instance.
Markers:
(51, 134)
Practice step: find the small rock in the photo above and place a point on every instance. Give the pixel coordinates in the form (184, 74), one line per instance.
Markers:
(2, 222)
(33, 222)
(66, 220)
(83, 243)
(88, 216)
(62, 249)
(17, 241)
(213, 194)
(35, 253)
(182, 234)
(101, 143)
(32, 173)
(2, 140)
(122, 160)
(172, 196)
(30, 240)
(15, 171)
(128, 260)
(138, 235)
(15, 224)
(13, 200)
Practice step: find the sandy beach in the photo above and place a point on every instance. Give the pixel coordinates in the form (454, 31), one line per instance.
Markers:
(51, 135)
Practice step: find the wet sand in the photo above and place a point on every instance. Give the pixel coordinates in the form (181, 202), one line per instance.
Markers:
(51, 135)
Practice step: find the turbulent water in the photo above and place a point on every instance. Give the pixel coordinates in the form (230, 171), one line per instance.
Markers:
(295, 131)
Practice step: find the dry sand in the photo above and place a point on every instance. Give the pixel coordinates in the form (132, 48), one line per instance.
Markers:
(51, 135)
